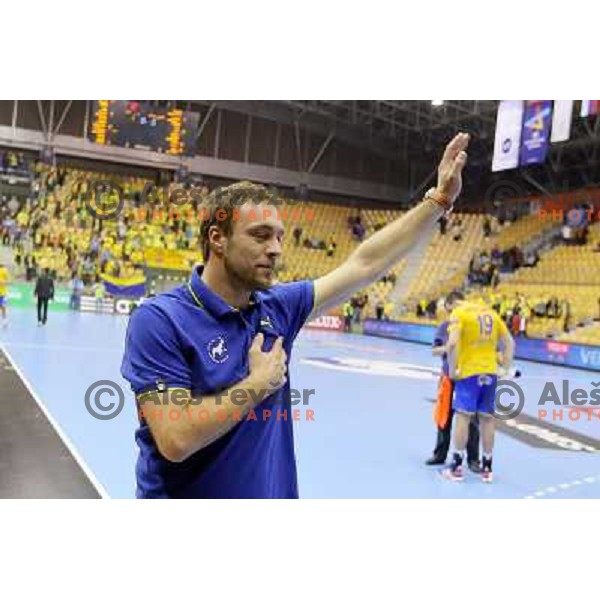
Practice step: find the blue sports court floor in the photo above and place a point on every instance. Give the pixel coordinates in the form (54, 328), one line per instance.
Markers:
(372, 406)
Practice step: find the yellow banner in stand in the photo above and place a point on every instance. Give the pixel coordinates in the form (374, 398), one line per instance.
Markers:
(177, 260)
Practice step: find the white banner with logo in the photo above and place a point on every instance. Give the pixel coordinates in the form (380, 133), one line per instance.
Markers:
(508, 135)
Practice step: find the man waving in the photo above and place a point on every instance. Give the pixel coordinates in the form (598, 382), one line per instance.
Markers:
(216, 350)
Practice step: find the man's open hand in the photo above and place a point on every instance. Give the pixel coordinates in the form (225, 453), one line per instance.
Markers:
(451, 166)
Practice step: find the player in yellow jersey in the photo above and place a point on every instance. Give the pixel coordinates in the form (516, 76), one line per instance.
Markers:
(476, 333)
(4, 279)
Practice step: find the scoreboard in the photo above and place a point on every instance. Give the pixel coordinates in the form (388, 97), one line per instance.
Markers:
(134, 124)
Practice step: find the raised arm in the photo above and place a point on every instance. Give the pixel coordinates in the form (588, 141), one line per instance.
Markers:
(376, 255)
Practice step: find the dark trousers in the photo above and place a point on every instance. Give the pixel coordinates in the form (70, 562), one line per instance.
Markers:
(444, 437)
(42, 310)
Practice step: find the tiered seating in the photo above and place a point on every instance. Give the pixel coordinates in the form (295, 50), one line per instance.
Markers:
(584, 335)
(332, 222)
(329, 222)
(522, 231)
(446, 261)
(567, 272)
(379, 291)
(578, 265)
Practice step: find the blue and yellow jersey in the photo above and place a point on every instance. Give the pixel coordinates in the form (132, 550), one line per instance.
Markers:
(481, 329)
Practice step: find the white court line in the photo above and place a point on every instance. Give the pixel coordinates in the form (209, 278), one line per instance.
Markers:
(61, 434)
(553, 489)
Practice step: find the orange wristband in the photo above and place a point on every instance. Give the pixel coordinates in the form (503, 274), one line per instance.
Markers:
(440, 199)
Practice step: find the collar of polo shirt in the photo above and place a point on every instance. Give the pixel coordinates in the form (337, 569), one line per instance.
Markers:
(206, 299)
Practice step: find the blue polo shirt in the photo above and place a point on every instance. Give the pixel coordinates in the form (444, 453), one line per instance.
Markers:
(191, 338)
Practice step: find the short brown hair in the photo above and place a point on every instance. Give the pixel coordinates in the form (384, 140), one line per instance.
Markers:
(221, 204)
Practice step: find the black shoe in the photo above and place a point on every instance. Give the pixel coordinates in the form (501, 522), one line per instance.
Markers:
(456, 471)
(475, 466)
(486, 471)
(435, 460)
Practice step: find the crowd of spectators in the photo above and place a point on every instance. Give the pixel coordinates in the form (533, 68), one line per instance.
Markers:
(576, 222)
(54, 229)
(13, 163)
(517, 310)
(484, 268)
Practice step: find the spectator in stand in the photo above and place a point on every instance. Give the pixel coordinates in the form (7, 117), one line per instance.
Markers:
(8, 230)
(567, 315)
(388, 310)
(379, 307)
(331, 248)
(487, 227)
(432, 309)
(355, 308)
(525, 312)
(457, 229)
(515, 321)
(496, 256)
(553, 308)
(494, 276)
(358, 231)
(347, 313)
(297, 233)
(76, 291)
(99, 294)
(364, 301)
(531, 259)
(443, 223)
(568, 234)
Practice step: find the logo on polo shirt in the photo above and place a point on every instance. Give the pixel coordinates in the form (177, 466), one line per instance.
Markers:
(217, 350)
(266, 322)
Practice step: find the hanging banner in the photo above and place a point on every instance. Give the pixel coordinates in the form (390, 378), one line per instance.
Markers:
(508, 135)
(536, 131)
(589, 107)
(561, 120)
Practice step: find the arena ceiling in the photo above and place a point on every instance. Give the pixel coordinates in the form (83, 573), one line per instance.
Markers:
(416, 131)
(409, 134)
